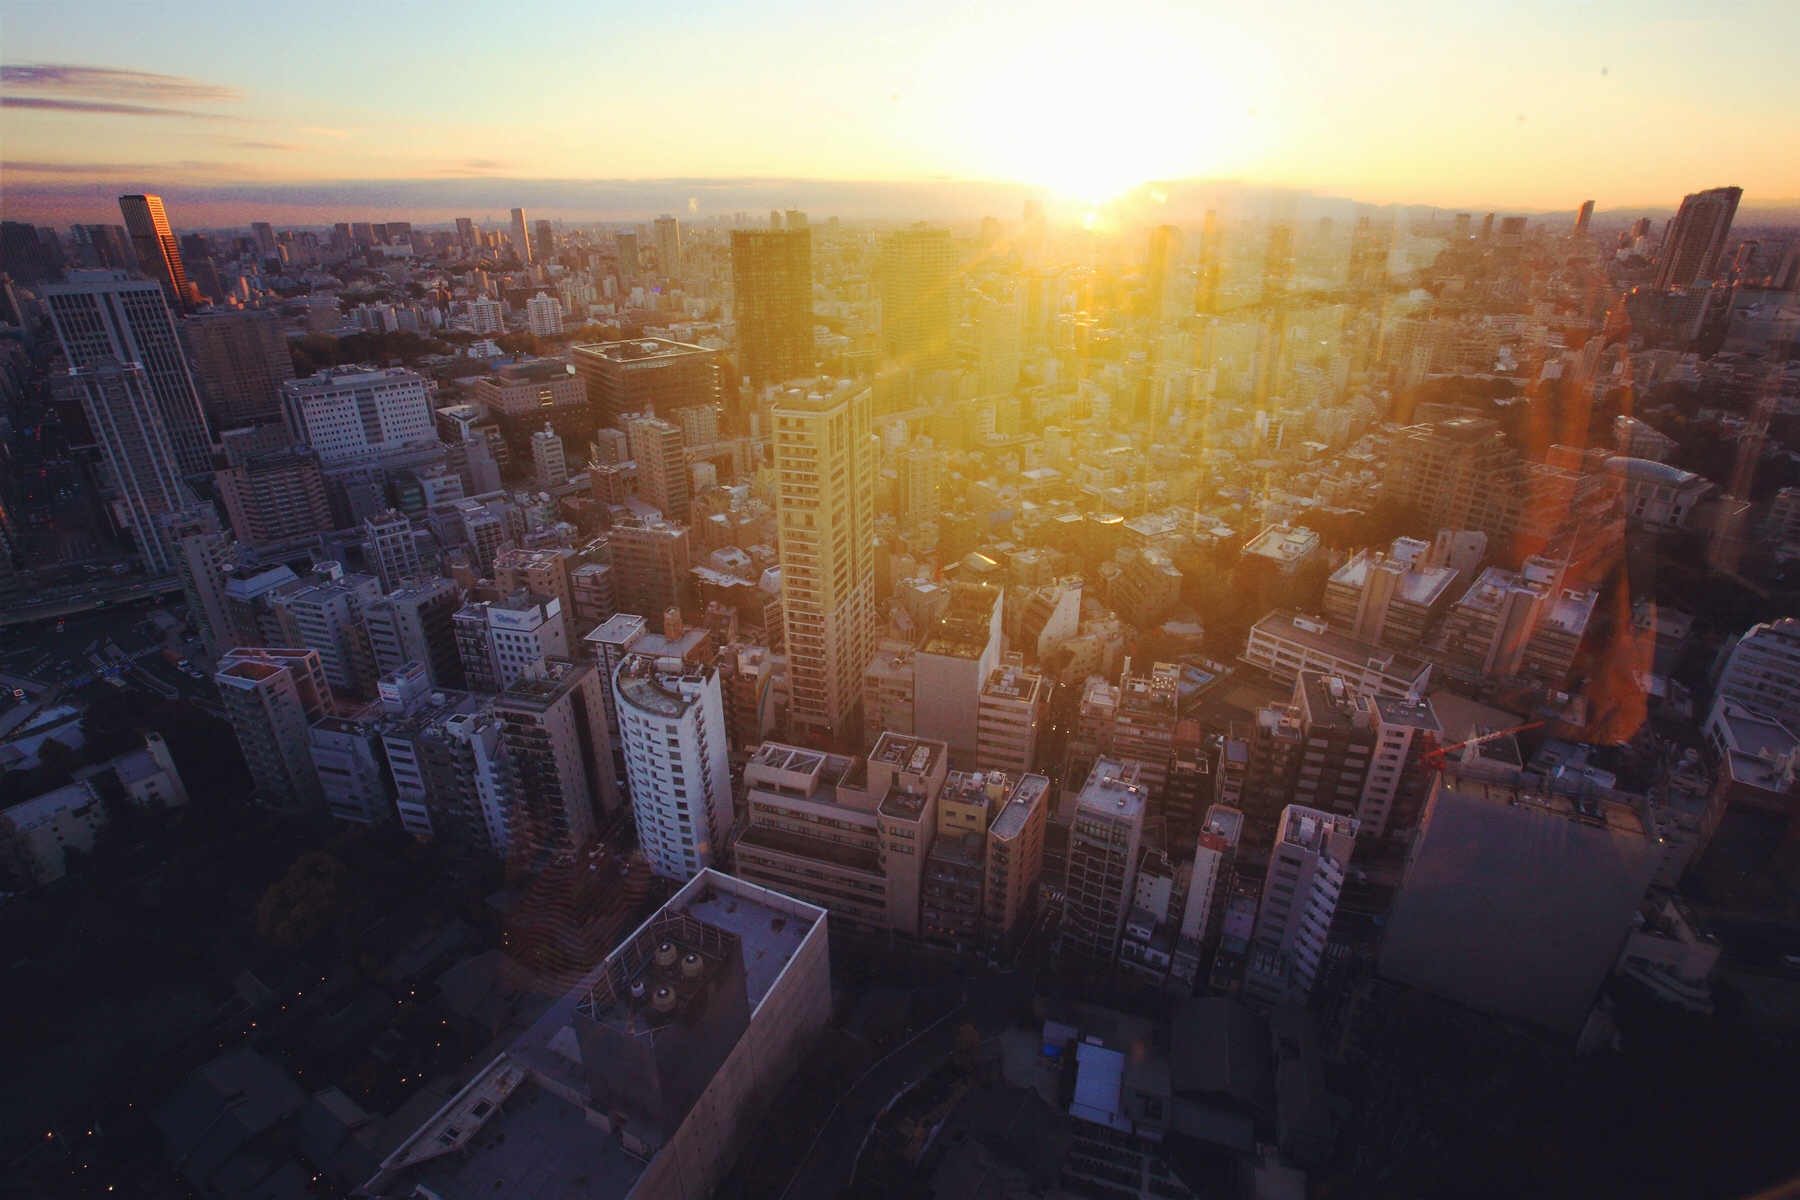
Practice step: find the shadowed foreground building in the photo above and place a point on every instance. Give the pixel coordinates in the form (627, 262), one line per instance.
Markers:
(645, 1079)
(1518, 902)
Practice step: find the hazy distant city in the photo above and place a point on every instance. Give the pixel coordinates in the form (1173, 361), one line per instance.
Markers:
(1156, 691)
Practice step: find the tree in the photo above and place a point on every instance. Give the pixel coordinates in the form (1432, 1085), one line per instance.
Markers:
(57, 763)
(966, 1046)
(302, 909)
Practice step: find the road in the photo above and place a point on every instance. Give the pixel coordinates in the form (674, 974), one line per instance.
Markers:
(992, 1001)
(123, 642)
(97, 599)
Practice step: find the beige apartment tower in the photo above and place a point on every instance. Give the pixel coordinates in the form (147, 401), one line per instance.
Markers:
(825, 458)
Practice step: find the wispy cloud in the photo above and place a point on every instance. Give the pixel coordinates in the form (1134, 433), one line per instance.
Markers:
(336, 133)
(55, 104)
(121, 170)
(109, 81)
(12, 166)
(267, 145)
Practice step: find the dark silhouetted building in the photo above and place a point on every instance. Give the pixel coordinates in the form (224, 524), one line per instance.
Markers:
(771, 273)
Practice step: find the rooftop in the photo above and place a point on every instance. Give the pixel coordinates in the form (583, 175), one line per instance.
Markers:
(965, 626)
(1283, 543)
(662, 687)
(1417, 714)
(1415, 583)
(1112, 790)
(639, 350)
(1320, 638)
(1028, 794)
(1646, 470)
(548, 679)
(1332, 702)
(1600, 812)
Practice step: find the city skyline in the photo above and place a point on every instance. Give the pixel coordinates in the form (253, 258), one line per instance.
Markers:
(1380, 107)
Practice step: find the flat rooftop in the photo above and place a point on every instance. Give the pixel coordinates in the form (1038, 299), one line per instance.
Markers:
(538, 1147)
(1320, 638)
(1613, 815)
(640, 349)
(915, 756)
(1421, 585)
(962, 630)
(1113, 791)
(1417, 714)
(1027, 795)
(1284, 544)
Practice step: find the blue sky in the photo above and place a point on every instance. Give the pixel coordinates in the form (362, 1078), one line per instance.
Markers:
(1522, 105)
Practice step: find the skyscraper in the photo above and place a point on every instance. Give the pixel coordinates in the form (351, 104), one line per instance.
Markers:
(553, 723)
(672, 723)
(241, 360)
(271, 696)
(626, 241)
(110, 314)
(521, 239)
(918, 304)
(1584, 218)
(646, 375)
(998, 334)
(1164, 269)
(157, 248)
(465, 232)
(204, 556)
(1696, 237)
(543, 242)
(771, 273)
(1206, 283)
(668, 246)
(140, 460)
(662, 470)
(390, 548)
(1102, 867)
(1300, 895)
(825, 458)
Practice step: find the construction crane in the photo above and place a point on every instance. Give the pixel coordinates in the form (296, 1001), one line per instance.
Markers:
(1435, 758)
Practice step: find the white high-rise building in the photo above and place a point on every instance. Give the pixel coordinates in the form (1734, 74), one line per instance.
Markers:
(825, 458)
(545, 312)
(547, 458)
(141, 463)
(497, 641)
(122, 316)
(328, 617)
(672, 724)
(392, 549)
(345, 412)
(1300, 895)
(1762, 670)
(486, 316)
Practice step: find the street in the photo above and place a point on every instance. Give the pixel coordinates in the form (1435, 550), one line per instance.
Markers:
(993, 998)
(86, 650)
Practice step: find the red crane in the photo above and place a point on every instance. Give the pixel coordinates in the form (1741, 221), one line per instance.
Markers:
(1435, 758)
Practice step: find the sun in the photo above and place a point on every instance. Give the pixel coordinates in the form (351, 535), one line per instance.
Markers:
(1094, 108)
